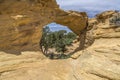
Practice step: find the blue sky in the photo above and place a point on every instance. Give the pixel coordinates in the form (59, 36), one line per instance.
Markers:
(56, 27)
(89, 5)
(92, 7)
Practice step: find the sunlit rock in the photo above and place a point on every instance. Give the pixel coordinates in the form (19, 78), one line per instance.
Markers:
(21, 23)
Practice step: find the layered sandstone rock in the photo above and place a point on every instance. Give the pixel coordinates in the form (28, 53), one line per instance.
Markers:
(105, 15)
(21, 22)
(100, 61)
(103, 56)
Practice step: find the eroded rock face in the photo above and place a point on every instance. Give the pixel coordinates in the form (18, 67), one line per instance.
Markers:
(100, 61)
(105, 15)
(21, 22)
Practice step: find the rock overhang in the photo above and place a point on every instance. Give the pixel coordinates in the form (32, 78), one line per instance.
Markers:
(23, 21)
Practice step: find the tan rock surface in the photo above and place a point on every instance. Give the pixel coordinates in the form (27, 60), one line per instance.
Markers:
(21, 22)
(105, 15)
(100, 61)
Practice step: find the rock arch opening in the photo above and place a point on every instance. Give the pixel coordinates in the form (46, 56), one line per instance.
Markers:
(58, 41)
(24, 33)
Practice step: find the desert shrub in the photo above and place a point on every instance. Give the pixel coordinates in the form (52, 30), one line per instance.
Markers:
(71, 35)
(58, 39)
(115, 19)
(68, 41)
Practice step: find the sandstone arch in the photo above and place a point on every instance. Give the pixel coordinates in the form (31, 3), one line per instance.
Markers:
(21, 22)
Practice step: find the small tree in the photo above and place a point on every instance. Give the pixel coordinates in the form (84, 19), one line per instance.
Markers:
(71, 35)
(58, 40)
(45, 39)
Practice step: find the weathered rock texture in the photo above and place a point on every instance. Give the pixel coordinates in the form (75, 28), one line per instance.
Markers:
(100, 61)
(21, 22)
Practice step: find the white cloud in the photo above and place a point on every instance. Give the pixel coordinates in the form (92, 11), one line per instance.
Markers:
(89, 4)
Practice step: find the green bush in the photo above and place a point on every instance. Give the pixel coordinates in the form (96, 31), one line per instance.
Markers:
(115, 19)
(58, 39)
